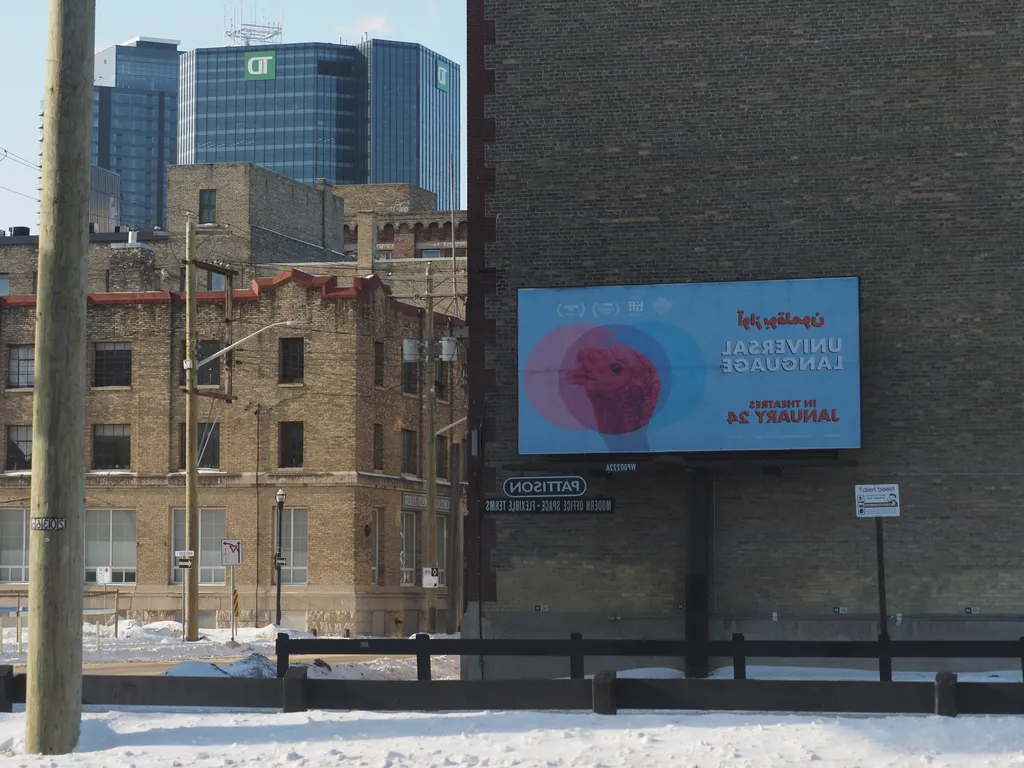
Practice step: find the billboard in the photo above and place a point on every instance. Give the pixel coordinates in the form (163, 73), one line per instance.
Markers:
(751, 366)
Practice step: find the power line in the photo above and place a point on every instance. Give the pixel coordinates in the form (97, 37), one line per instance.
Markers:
(19, 159)
(22, 194)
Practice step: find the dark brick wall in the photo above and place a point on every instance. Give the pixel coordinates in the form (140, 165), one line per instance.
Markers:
(681, 142)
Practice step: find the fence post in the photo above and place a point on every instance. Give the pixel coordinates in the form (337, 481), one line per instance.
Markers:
(739, 658)
(293, 690)
(117, 605)
(6, 689)
(945, 694)
(281, 648)
(1022, 657)
(604, 693)
(576, 656)
(884, 659)
(423, 656)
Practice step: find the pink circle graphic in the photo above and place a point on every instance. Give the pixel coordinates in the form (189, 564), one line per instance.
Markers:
(584, 377)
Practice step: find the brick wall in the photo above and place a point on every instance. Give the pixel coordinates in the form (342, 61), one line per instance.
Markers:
(749, 141)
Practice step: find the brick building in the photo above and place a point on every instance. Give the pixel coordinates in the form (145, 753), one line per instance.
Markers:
(328, 412)
(670, 143)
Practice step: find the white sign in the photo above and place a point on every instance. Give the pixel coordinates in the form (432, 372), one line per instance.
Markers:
(103, 575)
(430, 578)
(184, 553)
(877, 500)
(231, 552)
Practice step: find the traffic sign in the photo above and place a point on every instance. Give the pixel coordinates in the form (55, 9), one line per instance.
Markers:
(231, 552)
(184, 553)
(281, 561)
(877, 500)
(103, 575)
(184, 562)
(431, 578)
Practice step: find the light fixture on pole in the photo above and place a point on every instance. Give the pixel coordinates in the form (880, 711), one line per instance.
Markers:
(192, 366)
(279, 560)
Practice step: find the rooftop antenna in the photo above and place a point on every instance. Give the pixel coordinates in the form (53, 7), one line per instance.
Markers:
(238, 32)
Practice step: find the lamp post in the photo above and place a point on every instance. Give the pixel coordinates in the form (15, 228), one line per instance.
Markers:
(191, 576)
(279, 560)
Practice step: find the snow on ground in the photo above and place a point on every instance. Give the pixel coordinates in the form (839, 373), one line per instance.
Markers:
(158, 641)
(829, 673)
(198, 739)
(258, 665)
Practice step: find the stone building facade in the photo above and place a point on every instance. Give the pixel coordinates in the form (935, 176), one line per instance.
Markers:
(326, 411)
(258, 222)
(665, 143)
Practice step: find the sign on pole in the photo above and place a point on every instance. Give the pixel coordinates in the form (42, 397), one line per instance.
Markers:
(184, 563)
(184, 553)
(431, 578)
(877, 500)
(103, 575)
(231, 552)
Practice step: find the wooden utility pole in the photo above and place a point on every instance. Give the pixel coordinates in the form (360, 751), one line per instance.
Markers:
(190, 621)
(56, 571)
(430, 447)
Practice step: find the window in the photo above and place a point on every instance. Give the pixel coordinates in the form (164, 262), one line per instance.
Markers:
(5, 285)
(112, 364)
(21, 363)
(294, 545)
(441, 456)
(212, 531)
(207, 206)
(209, 446)
(209, 374)
(378, 363)
(112, 446)
(442, 550)
(407, 554)
(410, 464)
(383, 255)
(215, 281)
(106, 281)
(290, 444)
(378, 446)
(430, 253)
(35, 282)
(110, 542)
(411, 378)
(19, 448)
(375, 519)
(292, 361)
(14, 546)
(442, 377)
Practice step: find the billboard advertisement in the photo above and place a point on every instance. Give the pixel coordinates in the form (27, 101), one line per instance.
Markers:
(748, 366)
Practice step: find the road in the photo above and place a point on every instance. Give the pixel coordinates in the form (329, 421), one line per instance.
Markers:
(157, 667)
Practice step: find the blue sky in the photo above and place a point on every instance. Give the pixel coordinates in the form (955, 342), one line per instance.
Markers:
(437, 24)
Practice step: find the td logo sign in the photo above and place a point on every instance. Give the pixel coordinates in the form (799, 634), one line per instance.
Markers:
(260, 65)
(443, 74)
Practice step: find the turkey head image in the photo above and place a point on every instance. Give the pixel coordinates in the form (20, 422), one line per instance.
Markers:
(621, 384)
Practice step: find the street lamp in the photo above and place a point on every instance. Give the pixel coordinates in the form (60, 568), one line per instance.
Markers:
(279, 560)
(191, 576)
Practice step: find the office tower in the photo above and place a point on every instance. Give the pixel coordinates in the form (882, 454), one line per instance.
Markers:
(135, 123)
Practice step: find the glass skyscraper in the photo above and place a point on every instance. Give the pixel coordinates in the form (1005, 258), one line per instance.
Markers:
(379, 112)
(414, 117)
(135, 124)
(297, 109)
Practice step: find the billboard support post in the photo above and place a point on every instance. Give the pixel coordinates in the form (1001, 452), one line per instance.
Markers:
(700, 499)
(885, 670)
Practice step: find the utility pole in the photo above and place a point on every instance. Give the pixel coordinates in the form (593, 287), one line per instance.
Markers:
(56, 571)
(190, 621)
(430, 446)
(429, 354)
